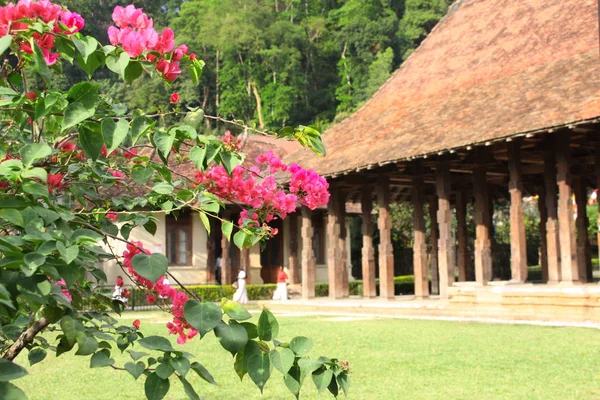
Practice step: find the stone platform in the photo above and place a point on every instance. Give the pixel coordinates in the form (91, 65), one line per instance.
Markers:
(560, 305)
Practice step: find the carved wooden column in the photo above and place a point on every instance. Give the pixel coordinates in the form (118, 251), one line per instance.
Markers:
(483, 243)
(333, 250)
(419, 241)
(386, 252)
(543, 235)
(433, 256)
(368, 252)
(566, 222)
(446, 244)
(309, 264)
(518, 244)
(245, 264)
(461, 233)
(584, 261)
(551, 190)
(597, 167)
(211, 245)
(343, 251)
(226, 269)
(294, 276)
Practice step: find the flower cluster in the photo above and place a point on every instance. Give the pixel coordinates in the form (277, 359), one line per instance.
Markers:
(263, 195)
(179, 326)
(19, 17)
(135, 32)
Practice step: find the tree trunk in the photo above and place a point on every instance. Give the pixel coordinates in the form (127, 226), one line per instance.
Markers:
(261, 122)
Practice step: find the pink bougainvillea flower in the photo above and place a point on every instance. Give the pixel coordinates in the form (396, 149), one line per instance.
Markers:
(136, 324)
(55, 181)
(174, 98)
(111, 216)
(170, 70)
(31, 96)
(150, 298)
(68, 147)
(166, 41)
(130, 153)
(179, 52)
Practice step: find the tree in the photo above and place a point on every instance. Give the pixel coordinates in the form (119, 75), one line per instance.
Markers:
(62, 151)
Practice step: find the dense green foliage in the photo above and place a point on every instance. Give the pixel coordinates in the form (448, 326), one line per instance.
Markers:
(274, 62)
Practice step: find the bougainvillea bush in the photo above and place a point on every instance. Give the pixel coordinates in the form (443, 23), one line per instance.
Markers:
(64, 155)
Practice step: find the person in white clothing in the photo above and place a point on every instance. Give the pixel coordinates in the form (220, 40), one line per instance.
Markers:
(241, 295)
(281, 291)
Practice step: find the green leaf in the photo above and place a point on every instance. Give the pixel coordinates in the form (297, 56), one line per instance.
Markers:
(300, 345)
(133, 71)
(232, 336)
(189, 390)
(34, 151)
(205, 221)
(203, 317)
(227, 228)
(114, 133)
(156, 343)
(101, 359)
(5, 42)
(84, 98)
(194, 118)
(136, 369)
(91, 141)
(163, 188)
(343, 381)
(32, 262)
(139, 126)
(35, 173)
(164, 143)
(197, 155)
(68, 254)
(259, 369)
(181, 365)
(203, 372)
(268, 327)
(118, 64)
(86, 344)
(155, 387)
(35, 188)
(65, 48)
(95, 60)
(40, 62)
(141, 174)
(251, 329)
(10, 371)
(282, 360)
(230, 161)
(71, 327)
(235, 310)
(322, 378)
(333, 387)
(8, 391)
(240, 239)
(36, 355)
(151, 266)
(164, 371)
(13, 216)
(86, 45)
(136, 355)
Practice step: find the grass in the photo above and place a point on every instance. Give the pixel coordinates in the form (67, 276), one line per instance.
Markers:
(390, 359)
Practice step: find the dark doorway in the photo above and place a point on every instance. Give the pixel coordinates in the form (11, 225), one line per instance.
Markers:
(271, 258)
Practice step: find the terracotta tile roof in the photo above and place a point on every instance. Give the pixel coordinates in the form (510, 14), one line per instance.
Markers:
(489, 69)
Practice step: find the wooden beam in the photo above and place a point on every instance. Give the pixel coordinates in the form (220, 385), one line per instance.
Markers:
(368, 251)
(518, 244)
(386, 254)
(333, 249)
(308, 263)
(483, 244)
(566, 222)
(543, 234)
(433, 256)
(461, 233)
(584, 261)
(445, 243)
(343, 252)
(419, 241)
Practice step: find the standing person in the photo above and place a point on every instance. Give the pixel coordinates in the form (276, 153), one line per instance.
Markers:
(281, 291)
(241, 295)
(118, 292)
(218, 262)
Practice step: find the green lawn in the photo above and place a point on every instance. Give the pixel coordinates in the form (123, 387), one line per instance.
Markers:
(390, 359)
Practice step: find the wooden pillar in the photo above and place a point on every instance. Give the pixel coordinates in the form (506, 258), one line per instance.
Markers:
(566, 222)
(343, 250)
(294, 276)
(551, 190)
(584, 261)
(211, 244)
(445, 243)
(386, 252)
(433, 256)
(597, 167)
(483, 243)
(333, 250)
(309, 264)
(419, 241)
(226, 269)
(461, 233)
(518, 241)
(543, 234)
(368, 252)
(245, 264)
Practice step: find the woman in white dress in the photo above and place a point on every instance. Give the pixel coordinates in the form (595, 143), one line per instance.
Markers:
(241, 295)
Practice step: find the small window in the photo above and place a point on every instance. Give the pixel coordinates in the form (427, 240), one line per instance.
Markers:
(179, 239)
(319, 238)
